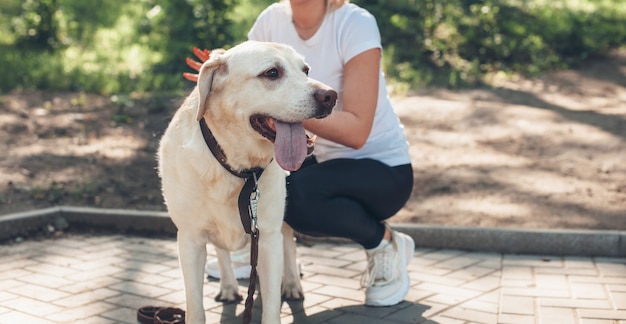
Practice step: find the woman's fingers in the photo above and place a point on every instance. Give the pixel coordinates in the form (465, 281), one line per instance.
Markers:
(190, 76)
(193, 64)
(203, 55)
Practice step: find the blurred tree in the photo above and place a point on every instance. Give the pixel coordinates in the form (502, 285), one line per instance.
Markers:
(171, 28)
(81, 20)
(36, 27)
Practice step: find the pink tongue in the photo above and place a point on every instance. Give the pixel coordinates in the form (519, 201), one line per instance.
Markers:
(290, 145)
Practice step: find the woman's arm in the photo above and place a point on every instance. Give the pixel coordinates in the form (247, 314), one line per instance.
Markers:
(351, 126)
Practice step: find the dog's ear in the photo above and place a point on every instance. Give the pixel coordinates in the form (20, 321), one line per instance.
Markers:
(205, 81)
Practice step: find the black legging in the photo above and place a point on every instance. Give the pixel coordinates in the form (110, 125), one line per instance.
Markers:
(346, 198)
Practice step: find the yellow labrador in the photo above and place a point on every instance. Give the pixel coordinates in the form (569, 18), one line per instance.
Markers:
(253, 98)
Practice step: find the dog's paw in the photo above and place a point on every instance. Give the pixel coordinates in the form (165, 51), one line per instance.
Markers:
(228, 296)
(292, 291)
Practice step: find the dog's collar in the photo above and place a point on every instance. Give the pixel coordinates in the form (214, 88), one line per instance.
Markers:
(219, 154)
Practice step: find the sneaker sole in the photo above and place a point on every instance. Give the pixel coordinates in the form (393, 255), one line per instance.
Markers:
(399, 295)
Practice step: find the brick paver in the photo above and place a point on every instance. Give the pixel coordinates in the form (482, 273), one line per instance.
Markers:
(83, 278)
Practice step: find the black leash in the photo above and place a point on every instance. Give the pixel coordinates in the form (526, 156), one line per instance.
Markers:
(247, 202)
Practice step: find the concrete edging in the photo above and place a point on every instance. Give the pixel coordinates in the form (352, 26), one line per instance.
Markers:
(519, 241)
(147, 222)
(500, 240)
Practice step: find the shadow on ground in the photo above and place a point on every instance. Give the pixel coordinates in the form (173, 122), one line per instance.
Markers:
(405, 312)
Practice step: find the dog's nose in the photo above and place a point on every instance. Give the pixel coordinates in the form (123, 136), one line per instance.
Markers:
(326, 100)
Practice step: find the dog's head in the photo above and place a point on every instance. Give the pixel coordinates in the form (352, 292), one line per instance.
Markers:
(264, 89)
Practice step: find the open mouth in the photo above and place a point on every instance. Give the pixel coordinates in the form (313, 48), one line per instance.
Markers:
(291, 143)
(266, 126)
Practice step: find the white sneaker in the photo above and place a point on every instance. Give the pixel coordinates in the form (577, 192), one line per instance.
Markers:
(241, 264)
(386, 278)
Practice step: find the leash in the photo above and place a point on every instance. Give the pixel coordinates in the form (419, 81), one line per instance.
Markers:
(247, 203)
(248, 200)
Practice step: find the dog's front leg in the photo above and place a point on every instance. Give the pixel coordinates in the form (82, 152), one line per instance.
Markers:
(192, 255)
(270, 269)
(291, 287)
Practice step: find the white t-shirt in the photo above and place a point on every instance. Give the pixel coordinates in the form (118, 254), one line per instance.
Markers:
(344, 33)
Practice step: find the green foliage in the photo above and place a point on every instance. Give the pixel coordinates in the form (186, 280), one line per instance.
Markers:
(461, 42)
(115, 46)
(107, 46)
(36, 26)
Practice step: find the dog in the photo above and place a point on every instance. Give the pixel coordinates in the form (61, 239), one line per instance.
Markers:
(253, 98)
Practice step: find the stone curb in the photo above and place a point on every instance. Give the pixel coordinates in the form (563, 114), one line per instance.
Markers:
(479, 239)
(519, 241)
(121, 220)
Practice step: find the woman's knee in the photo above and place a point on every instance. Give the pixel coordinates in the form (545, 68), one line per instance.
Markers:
(301, 220)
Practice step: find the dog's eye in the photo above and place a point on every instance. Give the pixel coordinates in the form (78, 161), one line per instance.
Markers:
(272, 73)
(306, 70)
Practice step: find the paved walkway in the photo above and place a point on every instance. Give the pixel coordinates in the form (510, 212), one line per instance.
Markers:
(105, 278)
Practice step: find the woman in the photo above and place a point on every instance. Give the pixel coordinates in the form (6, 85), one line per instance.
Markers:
(360, 174)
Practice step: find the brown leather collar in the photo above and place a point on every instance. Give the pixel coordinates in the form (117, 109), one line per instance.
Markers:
(215, 148)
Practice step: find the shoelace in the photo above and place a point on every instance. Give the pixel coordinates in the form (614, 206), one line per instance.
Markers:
(380, 267)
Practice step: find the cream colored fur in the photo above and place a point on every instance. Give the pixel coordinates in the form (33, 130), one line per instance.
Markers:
(201, 196)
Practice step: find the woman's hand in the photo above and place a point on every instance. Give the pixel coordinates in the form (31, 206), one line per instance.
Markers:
(203, 55)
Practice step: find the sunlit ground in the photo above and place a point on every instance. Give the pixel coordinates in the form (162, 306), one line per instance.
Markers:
(544, 154)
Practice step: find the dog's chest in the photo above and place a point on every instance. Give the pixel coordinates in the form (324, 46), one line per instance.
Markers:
(222, 223)
(226, 232)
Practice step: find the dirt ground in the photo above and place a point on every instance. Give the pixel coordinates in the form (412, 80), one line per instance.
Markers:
(541, 153)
